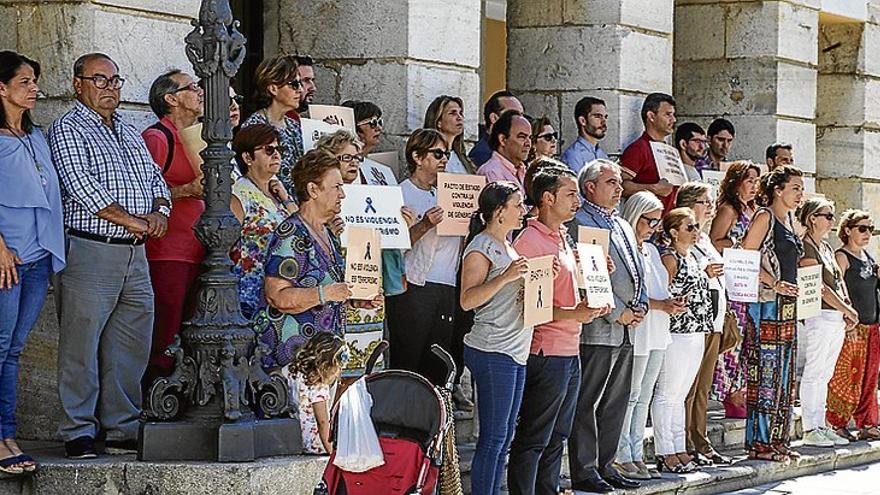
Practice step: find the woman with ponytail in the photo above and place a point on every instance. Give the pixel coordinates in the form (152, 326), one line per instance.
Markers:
(497, 347)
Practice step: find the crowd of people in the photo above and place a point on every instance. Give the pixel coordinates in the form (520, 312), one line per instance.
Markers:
(111, 210)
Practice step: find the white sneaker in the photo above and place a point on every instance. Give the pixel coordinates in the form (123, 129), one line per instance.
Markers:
(838, 440)
(816, 438)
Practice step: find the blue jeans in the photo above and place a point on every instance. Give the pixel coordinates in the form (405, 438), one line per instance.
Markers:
(500, 381)
(545, 420)
(19, 309)
(646, 369)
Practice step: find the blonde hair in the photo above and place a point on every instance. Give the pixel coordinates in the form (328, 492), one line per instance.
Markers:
(335, 141)
(809, 208)
(674, 219)
(690, 192)
(320, 358)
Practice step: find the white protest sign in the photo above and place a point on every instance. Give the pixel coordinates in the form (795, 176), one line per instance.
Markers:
(593, 235)
(193, 144)
(595, 272)
(713, 178)
(363, 262)
(312, 130)
(457, 194)
(538, 303)
(669, 164)
(809, 301)
(741, 270)
(376, 207)
(377, 174)
(341, 116)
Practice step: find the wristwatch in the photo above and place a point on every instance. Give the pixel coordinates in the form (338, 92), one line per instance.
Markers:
(163, 210)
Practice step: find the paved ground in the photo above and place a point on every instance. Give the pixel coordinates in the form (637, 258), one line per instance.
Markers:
(860, 480)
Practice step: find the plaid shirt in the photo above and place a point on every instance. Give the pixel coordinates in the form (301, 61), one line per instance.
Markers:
(99, 165)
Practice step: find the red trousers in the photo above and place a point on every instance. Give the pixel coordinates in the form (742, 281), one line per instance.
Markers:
(852, 391)
(174, 284)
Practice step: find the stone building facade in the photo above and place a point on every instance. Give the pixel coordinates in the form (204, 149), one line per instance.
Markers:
(801, 71)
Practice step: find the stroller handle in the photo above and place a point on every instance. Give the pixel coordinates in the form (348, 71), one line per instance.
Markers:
(450, 364)
(380, 349)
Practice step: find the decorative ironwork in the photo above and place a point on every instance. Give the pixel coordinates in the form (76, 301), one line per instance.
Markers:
(217, 379)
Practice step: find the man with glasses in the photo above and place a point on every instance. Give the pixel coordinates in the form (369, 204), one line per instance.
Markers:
(690, 139)
(177, 100)
(510, 141)
(114, 199)
(591, 118)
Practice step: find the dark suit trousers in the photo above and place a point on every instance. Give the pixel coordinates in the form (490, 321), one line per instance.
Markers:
(606, 374)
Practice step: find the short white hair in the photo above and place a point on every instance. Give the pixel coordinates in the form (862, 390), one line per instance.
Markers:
(638, 204)
(592, 171)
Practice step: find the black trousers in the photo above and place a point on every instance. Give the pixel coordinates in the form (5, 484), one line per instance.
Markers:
(419, 317)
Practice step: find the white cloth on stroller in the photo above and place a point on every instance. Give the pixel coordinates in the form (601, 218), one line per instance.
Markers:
(357, 445)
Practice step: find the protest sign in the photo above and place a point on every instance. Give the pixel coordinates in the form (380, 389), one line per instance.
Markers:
(376, 173)
(191, 138)
(376, 207)
(809, 300)
(330, 114)
(457, 194)
(741, 270)
(713, 178)
(538, 304)
(363, 262)
(387, 158)
(312, 130)
(669, 164)
(595, 272)
(592, 235)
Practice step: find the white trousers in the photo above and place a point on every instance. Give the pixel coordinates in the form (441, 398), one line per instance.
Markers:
(677, 375)
(819, 342)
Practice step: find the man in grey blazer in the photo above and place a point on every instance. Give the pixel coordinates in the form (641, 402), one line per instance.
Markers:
(605, 351)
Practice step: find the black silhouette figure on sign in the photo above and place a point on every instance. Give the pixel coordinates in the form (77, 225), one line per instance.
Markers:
(368, 256)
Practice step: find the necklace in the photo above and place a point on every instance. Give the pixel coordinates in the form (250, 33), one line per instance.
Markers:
(417, 183)
(29, 146)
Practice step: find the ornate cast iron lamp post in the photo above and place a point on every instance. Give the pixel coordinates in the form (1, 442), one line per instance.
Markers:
(207, 409)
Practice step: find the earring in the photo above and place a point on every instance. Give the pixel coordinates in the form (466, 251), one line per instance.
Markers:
(500, 219)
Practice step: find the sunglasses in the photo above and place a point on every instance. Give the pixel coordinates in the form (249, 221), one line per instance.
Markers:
(549, 137)
(237, 99)
(439, 154)
(827, 216)
(863, 228)
(295, 84)
(348, 158)
(373, 123)
(652, 222)
(692, 227)
(271, 149)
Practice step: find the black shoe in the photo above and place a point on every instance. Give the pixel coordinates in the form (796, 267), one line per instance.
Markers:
(119, 447)
(80, 448)
(618, 480)
(594, 484)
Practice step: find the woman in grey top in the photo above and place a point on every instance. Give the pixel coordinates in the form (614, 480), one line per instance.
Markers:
(497, 347)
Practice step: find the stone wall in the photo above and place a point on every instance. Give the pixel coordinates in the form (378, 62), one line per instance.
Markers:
(399, 55)
(617, 50)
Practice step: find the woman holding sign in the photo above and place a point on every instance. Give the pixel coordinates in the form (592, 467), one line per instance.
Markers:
(821, 337)
(852, 391)
(771, 324)
(690, 285)
(736, 206)
(496, 349)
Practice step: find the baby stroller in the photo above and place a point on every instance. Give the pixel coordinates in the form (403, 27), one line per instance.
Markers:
(415, 426)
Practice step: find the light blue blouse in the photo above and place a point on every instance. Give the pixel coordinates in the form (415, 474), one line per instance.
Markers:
(31, 220)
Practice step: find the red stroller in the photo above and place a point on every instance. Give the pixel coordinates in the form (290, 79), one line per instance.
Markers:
(412, 418)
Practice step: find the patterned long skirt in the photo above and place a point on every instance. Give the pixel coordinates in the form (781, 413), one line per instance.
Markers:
(730, 369)
(852, 391)
(770, 359)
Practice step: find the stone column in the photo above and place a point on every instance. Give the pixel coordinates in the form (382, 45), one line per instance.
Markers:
(399, 55)
(848, 121)
(562, 50)
(753, 62)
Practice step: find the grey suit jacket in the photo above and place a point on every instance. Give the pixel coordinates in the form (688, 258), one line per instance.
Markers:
(605, 330)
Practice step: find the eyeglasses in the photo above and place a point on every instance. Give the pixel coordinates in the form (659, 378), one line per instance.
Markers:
(237, 99)
(270, 149)
(652, 222)
(295, 84)
(103, 82)
(549, 137)
(828, 216)
(692, 227)
(348, 158)
(439, 154)
(374, 123)
(189, 87)
(864, 228)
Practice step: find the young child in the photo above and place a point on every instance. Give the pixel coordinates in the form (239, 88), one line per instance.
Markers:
(315, 370)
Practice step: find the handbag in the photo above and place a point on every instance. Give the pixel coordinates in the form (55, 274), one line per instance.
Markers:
(730, 334)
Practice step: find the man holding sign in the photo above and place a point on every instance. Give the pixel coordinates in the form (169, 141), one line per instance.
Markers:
(552, 372)
(639, 168)
(606, 352)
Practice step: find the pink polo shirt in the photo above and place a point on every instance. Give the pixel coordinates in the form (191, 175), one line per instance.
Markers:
(558, 337)
(499, 168)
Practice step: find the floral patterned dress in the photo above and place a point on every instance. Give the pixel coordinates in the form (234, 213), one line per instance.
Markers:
(294, 256)
(261, 216)
(291, 141)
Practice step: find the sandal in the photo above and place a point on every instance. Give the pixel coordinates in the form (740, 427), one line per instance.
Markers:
(11, 465)
(26, 462)
(792, 454)
(769, 456)
(869, 433)
(845, 433)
